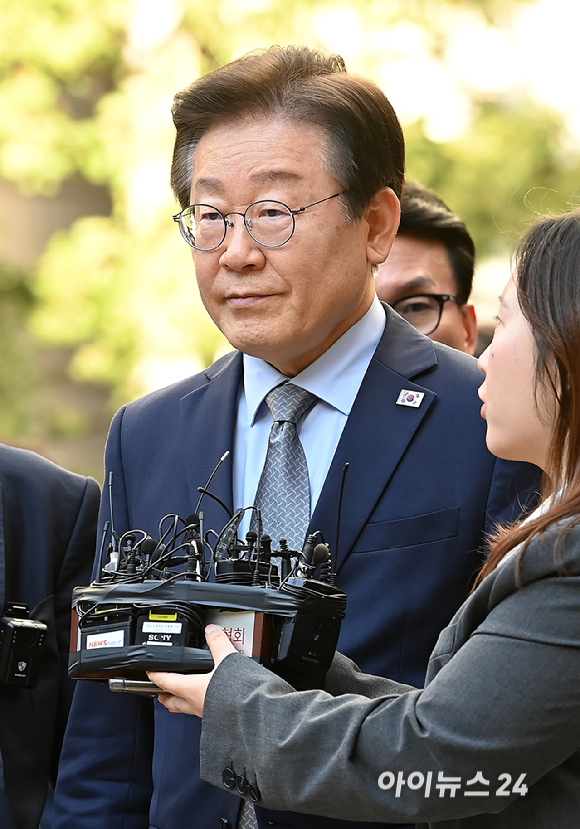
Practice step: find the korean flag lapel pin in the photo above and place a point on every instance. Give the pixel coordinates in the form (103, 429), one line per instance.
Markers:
(410, 398)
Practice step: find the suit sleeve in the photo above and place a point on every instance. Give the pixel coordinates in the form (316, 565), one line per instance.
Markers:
(105, 769)
(514, 491)
(345, 677)
(48, 525)
(506, 703)
(75, 570)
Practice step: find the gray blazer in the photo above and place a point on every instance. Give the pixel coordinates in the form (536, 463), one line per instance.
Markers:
(502, 700)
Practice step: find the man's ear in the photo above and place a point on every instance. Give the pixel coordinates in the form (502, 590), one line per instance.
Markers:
(382, 217)
(469, 327)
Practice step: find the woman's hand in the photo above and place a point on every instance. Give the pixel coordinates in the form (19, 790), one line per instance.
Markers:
(185, 693)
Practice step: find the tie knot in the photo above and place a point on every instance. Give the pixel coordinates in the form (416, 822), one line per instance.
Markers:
(289, 402)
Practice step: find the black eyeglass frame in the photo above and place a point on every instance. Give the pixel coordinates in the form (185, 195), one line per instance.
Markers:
(178, 217)
(441, 299)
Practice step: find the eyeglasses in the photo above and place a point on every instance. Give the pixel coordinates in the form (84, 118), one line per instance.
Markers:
(423, 311)
(269, 223)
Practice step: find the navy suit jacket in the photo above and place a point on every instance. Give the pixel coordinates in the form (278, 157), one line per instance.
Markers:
(48, 523)
(420, 492)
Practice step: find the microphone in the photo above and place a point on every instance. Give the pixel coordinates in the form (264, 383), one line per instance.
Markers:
(228, 536)
(332, 570)
(114, 536)
(128, 549)
(303, 565)
(113, 549)
(308, 549)
(251, 538)
(102, 549)
(192, 525)
(204, 490)
(158, 553)
(195, 560)
(147, 548)
(321, 554)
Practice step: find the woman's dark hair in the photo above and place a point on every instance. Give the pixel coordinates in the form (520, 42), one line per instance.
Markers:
(548, 291)
(366, 146)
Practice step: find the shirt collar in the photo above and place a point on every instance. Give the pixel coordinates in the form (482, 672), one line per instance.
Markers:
(335, 377)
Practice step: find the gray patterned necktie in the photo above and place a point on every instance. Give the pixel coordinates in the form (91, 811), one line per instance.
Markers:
(283, 492)
(247, 818)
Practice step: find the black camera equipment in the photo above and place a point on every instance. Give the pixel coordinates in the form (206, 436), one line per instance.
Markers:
(150, 605)
(21, 641)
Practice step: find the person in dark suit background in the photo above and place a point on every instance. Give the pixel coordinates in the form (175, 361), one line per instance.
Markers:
(48, 522)
(428, 274)
(289, 171)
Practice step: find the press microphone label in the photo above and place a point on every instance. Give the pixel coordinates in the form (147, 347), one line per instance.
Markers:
(161, 627)
(238, 627)
(112, 639)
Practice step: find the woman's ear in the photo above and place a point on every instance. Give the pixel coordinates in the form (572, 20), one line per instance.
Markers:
(382, 217)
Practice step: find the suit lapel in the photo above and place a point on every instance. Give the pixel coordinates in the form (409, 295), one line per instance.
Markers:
(374, 439)
(211, 411)
(376, 435)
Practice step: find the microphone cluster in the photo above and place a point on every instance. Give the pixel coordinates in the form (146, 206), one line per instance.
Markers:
(149, 606)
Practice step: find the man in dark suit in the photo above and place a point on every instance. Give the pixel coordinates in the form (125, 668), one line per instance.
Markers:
(48, 521)
(288, 171)
(428, 275)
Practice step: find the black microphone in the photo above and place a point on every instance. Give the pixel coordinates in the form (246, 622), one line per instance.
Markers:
(103, 542)
(194, 561)
(308, 549)
(251, 538)
(147, 548)
(114, 536)
(332, 569)
(113, 550)
(192, 525)
(158, 553)
(266, 546)
(305, 567)
(175, 561)
(320, 555)
(130, 555)
(204, 490)
(228, 536)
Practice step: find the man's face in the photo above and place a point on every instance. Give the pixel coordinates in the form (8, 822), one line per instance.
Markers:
(421, 266)
(286, 305)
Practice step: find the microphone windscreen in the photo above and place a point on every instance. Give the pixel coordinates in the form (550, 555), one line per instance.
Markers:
(147, 546)
(320, 555)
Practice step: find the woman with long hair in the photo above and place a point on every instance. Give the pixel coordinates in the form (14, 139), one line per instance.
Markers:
(493, 740)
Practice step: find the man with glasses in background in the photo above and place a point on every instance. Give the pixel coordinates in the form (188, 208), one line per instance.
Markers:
(428, 275)
(288, 171)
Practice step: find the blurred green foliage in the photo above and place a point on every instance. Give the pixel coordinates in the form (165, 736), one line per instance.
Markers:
(506, 170)
(17, 367)
(58, 59)
(86, 89)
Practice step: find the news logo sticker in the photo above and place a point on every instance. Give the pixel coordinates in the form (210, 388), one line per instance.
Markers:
(111, 639)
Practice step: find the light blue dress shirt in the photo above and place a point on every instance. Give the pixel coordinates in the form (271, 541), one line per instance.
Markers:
(334, 378)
